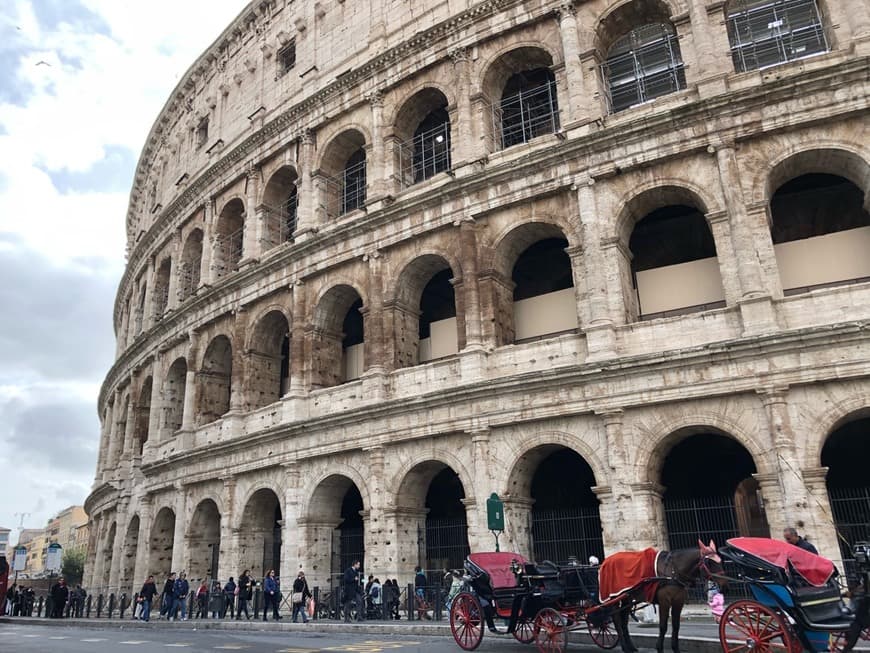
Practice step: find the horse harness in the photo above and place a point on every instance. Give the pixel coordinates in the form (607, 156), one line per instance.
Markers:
(666, 569)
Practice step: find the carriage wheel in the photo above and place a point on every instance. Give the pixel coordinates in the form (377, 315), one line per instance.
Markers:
(836, 641)
(466, 621)
(551, 635)
(750, 626)
(524, 631)
(604, 634)
(865, 634)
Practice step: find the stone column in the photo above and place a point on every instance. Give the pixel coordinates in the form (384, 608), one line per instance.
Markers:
(179, 552)
(317, 560)
(188, 414)
(795, 500)
(96, 576)
(118, 547)
(600, 336)
(306, 219)
(758, 220)
(376, 166)
(157, 405)
(377, 535)
(130, 430)
(462, 142)
(468, 253)
(237, 378)
(755, 305)
(206, 275)
(578, 107)
(770, 486)
(712, 64)
(297, 340)
(227, 559)
(518, 525)
(253, 228)
(375, 336)
(479, 537)
(292, 548)
(819, 525)
(141, 569)
(174, 271)
(581, 288)
(725, 255)
(650, 528)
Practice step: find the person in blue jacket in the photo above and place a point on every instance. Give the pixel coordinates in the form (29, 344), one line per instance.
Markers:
(271, 595)
(180, 592)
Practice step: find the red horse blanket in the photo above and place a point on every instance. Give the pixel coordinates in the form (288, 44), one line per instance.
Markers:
(622, 571)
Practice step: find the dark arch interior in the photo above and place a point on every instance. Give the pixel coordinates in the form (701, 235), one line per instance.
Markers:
(526, 80)
(670, 235)
(444, 498)
(845, 455)
(446, 527)
(816, 204)
(432, 145)
(438, 301)
(544, 267)
(565, 517)
(706, 464)
(352, 327)
(351, 528)
(529, 106)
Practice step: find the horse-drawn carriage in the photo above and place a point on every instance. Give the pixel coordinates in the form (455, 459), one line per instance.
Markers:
(796, 600)
(536, 602)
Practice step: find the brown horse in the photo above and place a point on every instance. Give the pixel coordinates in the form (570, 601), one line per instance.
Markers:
(677, 571)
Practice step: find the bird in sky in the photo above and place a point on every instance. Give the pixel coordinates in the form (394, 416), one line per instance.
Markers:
(43, 63)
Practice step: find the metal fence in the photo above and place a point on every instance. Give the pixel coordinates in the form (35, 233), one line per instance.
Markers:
(228, 253)
(425, 155)
(528, 114)
(280, 223)
(851, 511)
(563, 533)
(346, 191)
(446, 542)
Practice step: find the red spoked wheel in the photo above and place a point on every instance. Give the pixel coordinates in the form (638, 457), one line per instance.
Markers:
(838, 640)
(603, 633)
(524, 631)
(750, 626)
(865, 634)
(551, 635)
(466, 621)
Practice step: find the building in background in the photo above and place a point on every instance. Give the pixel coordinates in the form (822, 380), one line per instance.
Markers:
(63, 527)
(5, 544)
(606, 259)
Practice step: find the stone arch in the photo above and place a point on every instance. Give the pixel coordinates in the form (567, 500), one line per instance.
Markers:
(108, 553)
(191, 264)
(423, 136)
(269, 358)
(830, 156)
(215, 380)
(203, 540)
(127, 581)
(620, 17)
(335, 517)
(499, 66)
(309, 506)
(261, 531)
(340, 145)
(279, 206)
(338, 339)
(173, 391)
(640, 200)
(533, 282)
(229, 237)
(404, 113)
(160, 543)
(399, 487)
(143, 415)
(836, 415)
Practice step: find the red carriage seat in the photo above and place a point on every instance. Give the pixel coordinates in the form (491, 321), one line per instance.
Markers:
(497, 566)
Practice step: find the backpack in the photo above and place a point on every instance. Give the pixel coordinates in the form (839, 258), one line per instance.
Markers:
(376, 591)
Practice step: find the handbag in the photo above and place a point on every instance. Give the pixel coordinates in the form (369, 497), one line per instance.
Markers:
(296, 597)
(310, 606)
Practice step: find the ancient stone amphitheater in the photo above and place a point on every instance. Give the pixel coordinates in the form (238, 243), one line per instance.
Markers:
(609, 260)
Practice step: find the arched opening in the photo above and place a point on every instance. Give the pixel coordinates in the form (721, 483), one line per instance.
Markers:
(821, 232)
(161, 288)
(160, 544)
(229, 237)
(643, 59)
(117, 448)
(260, 533)
(432, 495)
(191, 264)
(845, 455)
(204, 541)
(215, 380)
(543, 296)
(674, 268)
(765, 33)
(424, 319)
(279, 208)
(108, 556)
(143, 416)
(523, 87)
(128, 564)
(351, 533)
(423, 130)
(335, 523)
(140, 312)
(344, 170)
(702, 495)
(173, 396)
(269, 376)
(339, 338)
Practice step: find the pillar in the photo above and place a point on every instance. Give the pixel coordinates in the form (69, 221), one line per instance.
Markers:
(462, 141)
(650, 528)
(149, 276)
(600, 337)
(578, 109)
(297, 340)
(157, 404)
(174, 271)
(130, 430)
(179, 554)
(479, 537)
(307, 198)
(237, 377)
(118, 547)
(720, 227)
(292, 548)
(228, 552)
(517, 535)
(376, 535)
(142, 569)
(712, 66)
(470, 284)
(375, 335)
(205, 271)
(376, 168)
(253, 229)
(188, 412)
(819, 522)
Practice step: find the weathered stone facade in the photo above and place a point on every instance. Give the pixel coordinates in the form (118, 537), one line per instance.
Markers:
(228, 420)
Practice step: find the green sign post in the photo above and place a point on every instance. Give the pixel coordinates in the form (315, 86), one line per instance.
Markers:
(495, 516)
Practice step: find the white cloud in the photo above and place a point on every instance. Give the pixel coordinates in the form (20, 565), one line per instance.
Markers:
(109, 68)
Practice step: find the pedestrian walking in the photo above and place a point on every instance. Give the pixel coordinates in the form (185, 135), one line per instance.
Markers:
(351, 584)
(167, 598)
(300, 596)
(146, 596)
(59, 597)
(180, 591)
(229, 598)
(202, 600)
(271, 595)
(244, 592)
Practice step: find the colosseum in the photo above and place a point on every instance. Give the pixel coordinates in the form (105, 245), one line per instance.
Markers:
(607, 259)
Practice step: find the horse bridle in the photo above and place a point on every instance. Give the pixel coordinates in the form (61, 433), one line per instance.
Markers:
(686, 581)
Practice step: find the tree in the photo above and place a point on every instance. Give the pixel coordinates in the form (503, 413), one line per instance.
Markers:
(73, 566)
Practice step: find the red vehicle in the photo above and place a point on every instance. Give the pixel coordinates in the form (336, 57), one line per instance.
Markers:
(4, 583)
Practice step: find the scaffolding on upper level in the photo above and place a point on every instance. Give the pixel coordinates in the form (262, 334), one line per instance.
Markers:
(227, 253)
(424, 156)
(346, 191)
(526, 115)
(279, 223)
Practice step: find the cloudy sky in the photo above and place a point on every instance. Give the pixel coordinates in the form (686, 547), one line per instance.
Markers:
(81, 82)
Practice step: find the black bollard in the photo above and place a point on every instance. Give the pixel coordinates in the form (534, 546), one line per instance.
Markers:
(112, 604)
(38, 607)
(122, 608)
(88, 607)
(411, 597)
(100, 606)
(49, 606)
(316, 596)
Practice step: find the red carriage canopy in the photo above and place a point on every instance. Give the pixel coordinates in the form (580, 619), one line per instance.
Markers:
(815, 569)
(498, 566)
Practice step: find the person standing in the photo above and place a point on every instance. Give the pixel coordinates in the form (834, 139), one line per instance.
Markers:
(245, 591)
(229, 598)
(59, 597)
(167, 599)
(147, 593)
(180, 591)
(202, 600)
(301, 594)
(791, 536)
(350, 581)
(376, 592)
(271, 595)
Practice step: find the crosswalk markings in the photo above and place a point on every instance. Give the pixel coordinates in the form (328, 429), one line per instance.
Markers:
(298, 650)
(30, 636)
(59, 637)
(232, 647)
(135, 641)
(94, 640)
(177, 645)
